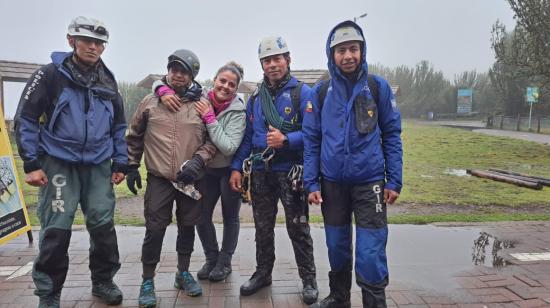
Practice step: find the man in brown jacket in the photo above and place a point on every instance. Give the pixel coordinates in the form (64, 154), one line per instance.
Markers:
(168, 139)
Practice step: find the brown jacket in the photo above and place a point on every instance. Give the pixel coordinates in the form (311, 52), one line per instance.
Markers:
(167, 138)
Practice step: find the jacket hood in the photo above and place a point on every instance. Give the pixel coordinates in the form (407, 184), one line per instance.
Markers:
(106, 78)
(333, 69)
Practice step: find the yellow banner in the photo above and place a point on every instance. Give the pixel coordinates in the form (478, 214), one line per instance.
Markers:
(14, 219)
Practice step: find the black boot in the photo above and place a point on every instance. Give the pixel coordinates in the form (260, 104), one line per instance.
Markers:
(222, 268)
(340, 286)
(108, 291)
(205, 270)
(310, 292)
(255, 283)
(211, 259)
(374, 295)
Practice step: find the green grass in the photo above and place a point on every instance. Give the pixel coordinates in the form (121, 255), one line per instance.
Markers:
(430, 150)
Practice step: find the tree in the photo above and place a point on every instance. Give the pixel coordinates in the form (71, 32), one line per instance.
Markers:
(132, 96)
(524, 53)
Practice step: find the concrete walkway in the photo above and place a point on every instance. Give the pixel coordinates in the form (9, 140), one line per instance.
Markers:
(484, 265)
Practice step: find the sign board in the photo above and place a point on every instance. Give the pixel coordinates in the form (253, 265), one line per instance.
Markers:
(532, 95)
(14, 219)
(464, 101)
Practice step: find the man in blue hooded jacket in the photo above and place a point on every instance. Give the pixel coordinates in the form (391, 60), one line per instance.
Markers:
(353, 165)
(70, 130)
(274, 123)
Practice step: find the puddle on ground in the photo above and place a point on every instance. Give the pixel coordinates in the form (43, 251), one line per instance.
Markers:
(457, 172)
(486, 242)
(431, 256)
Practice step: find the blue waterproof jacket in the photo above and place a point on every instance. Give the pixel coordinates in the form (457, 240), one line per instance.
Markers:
(71, 117)
(334, 148)
(255, 137)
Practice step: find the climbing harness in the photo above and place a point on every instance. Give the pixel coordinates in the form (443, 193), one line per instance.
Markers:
(295, 177)
(246, 181)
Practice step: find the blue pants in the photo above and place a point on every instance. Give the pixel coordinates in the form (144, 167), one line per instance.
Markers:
(365, 202)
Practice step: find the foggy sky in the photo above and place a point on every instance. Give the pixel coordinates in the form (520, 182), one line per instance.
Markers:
(453, 35)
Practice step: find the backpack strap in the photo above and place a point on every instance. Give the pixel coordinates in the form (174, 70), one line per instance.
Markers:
(373, 86)
(251, 100)
(295, 94)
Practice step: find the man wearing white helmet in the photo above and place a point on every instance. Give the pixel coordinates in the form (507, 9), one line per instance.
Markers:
(274, 117)
(70, 130)
(353, 165)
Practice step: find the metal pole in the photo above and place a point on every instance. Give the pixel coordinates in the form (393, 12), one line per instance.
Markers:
(530, 112)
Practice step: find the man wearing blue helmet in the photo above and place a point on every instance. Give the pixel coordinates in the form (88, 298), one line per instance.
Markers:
(353, 165)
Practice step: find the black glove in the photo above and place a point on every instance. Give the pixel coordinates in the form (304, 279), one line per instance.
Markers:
(188, 174)
(133, 179)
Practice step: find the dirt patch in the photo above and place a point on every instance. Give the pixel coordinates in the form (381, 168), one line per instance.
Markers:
(133, 208)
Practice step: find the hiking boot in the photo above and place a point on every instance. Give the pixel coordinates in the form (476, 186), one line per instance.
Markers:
(50, 301)
(310, 292)
(107, 291)
(222, 269)
(340, 285)
(331, 302)
(186, 282)
(147, 298)
(204, 272)
(255, 283)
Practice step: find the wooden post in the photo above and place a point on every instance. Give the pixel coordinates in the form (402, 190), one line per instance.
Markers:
(501, 122)
(2, 95)
(538, 125)
(517, 124)
(504, 178)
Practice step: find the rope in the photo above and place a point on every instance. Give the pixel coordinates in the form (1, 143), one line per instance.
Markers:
(271, 114)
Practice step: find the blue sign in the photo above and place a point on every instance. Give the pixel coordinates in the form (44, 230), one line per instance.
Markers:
(464, 101)
(532, 95)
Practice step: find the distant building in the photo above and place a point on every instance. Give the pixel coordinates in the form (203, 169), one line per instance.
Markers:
(15, 72)
(246, 88)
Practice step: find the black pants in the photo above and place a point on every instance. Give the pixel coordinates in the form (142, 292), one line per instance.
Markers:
(217, 181)
(267, 189)
(159, 199)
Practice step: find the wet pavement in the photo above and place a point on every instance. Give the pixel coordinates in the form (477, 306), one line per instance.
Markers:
(479, 265)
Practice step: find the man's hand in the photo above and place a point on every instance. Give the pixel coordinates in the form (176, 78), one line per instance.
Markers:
(117, 177)
(172, 102)
(189, 173)
(275, 138)
(315, 197)
(235, 181)
(36, 178)
(133, 179)
(390, 196)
